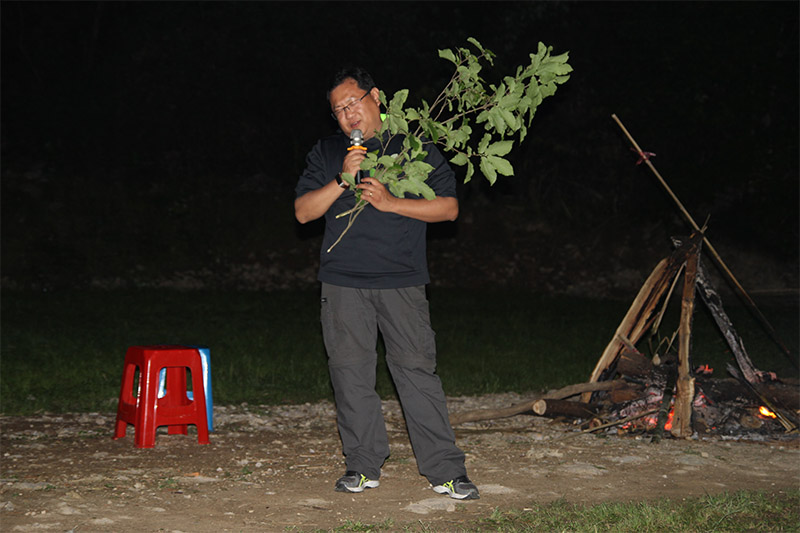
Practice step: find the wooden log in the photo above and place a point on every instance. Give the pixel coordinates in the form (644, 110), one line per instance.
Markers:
(524, 407)
(713, 301)
(556, 408)
(788, 421)
(785, 395)
(684, 386)
(634, 364)
(625, 394)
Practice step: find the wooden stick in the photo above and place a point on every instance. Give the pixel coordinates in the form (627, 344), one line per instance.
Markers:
(684, 386)
(560, 394)
(610, 424)
(555, 408)
(713, 251)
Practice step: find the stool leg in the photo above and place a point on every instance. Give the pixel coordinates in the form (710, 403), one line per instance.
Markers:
(126, 399)
(200, 403)
(146, 412)
(175, 395)
(205, 356)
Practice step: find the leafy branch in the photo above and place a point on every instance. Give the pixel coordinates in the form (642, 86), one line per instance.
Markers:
(504, 111)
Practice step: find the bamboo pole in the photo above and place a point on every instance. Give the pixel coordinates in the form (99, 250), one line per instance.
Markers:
(711, 248)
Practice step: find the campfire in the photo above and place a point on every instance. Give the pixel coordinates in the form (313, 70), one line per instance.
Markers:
(662, 395)
(630, 392)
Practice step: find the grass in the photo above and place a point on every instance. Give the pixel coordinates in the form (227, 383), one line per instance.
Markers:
(63, 351)
(742, 511)
(738, 511)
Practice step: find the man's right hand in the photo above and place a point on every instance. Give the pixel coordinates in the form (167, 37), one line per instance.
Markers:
(352, 161)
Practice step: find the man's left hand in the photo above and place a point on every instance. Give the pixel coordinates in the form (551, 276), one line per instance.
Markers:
(376, 194)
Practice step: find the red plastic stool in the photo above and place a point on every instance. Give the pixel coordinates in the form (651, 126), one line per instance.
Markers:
(145, 410)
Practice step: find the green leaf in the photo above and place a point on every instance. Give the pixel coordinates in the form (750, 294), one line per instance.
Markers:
(474, 66)
(390, 174)
(488, 170)
(499, 148)
(501, 165)
(367, 164)
(418, 170)
(461, 135)
(388, 160)
(470, 171)
(459, 159)
(509, 119)
(484, 143)
(552, 67)
(448, 55)
(402, 125)
(475, 43)
(496, 120)
(349, 178)
(391, 123)
(412, 142)
(509, 101)
(419, 188)
(399, 99)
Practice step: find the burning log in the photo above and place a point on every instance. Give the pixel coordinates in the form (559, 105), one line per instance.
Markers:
(681, 425)
(664, 409)
(787, 422)
(712, 300)
(625, 394)
(633, 363)
(786, 395)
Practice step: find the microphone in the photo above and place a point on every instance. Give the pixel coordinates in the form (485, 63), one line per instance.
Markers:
(356, 140)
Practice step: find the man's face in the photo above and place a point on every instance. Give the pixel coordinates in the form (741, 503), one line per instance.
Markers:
(354, 112)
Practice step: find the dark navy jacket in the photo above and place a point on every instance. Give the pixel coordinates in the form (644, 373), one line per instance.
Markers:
(381, 250)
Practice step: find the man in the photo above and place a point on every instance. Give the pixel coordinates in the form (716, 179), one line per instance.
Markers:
(374, 280)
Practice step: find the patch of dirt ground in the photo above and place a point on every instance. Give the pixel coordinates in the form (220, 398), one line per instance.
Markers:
(273, 469)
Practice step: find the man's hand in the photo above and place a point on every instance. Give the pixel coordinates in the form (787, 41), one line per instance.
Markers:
(352, 161)
(439, 209)
(375, 193)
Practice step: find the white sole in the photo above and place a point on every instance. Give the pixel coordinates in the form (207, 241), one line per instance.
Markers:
(439, 489)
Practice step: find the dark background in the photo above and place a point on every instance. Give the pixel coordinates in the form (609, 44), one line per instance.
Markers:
(148, 143)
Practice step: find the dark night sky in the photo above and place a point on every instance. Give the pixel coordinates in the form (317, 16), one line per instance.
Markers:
(150, 92)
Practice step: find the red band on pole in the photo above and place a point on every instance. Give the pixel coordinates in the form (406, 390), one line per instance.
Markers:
(643, 156)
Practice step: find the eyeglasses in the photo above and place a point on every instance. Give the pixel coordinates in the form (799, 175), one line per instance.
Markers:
(351, 106)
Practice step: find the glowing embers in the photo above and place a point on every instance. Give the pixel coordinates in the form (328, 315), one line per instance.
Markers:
(766, 413)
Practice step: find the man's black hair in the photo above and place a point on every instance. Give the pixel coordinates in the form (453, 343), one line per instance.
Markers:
(362, 77)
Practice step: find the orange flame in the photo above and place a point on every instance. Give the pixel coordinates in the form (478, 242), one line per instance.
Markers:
(763, 411)
(704, 369)
(668, 424)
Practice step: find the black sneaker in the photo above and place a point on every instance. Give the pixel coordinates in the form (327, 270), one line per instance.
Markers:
(460, 488)
(354, 482)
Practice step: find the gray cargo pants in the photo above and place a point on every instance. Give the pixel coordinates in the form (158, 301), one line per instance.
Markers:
(351, 319)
